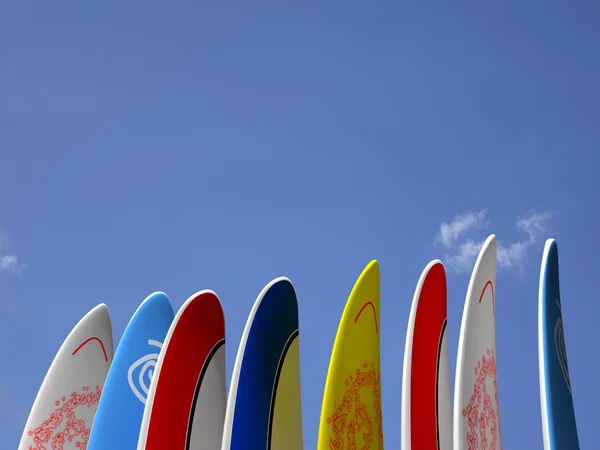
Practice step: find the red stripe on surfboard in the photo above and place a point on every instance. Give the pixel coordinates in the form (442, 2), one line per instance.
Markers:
(429, 321)
(374, 314)
(199, 329)
(489, 283)
(90, 340)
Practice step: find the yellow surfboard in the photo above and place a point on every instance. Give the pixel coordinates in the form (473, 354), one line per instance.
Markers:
(351, 409)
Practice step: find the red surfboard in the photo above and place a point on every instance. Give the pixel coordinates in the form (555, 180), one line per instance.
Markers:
(186, 401)
(426, 394)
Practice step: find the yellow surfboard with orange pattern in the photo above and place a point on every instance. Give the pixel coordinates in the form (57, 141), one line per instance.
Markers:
(351, 409)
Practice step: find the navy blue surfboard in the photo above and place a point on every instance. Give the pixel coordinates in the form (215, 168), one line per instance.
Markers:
(264, 409)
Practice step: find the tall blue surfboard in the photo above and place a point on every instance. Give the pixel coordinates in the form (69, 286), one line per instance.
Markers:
(121, 407)
(264, 408)
(558, 415)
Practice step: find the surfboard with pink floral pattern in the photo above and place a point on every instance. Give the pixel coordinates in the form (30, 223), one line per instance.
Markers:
(476, 423)
(65, 406)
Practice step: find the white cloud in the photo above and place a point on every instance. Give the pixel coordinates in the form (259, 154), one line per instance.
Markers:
(510, 256)
(9, 262)
(464, 256)
(450, 232)
(513, 256)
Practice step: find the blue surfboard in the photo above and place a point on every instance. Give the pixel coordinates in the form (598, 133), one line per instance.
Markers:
(121, 407)
(558, 415)
(264, 408)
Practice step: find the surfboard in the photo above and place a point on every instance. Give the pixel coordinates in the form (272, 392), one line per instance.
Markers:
(64, 408)
(119, 416)
(476, 410)
(426, 414)
(559, 429)
(264, 407)
(351, 408)
(185, 406)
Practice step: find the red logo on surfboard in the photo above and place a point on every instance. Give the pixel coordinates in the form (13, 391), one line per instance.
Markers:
(63, 429)
(351, 418)
(482, 412)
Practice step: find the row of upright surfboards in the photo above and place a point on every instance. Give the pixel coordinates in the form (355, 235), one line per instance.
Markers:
(165, 385)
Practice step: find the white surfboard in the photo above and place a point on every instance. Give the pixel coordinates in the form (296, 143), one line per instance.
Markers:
(476, 422)
(65, 406)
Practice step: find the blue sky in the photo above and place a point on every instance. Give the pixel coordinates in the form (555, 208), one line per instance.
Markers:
(154, 146)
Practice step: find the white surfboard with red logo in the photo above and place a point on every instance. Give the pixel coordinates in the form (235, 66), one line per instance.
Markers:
(65, 406)
(476, 409)
(185, 407)
(426, 392)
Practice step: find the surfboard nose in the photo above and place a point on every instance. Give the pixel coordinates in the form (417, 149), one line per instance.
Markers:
(102, 307)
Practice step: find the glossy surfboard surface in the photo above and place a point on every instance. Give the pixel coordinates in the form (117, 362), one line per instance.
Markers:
(186, 401)
(559, 429)
(119, 416)
(351, 408)
(476, 407)
(64, 409)
(264, 408)
(426, 414)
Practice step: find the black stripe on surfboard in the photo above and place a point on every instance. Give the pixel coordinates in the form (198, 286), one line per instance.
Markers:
(437, 383)
(288, 344)
(209, 358)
